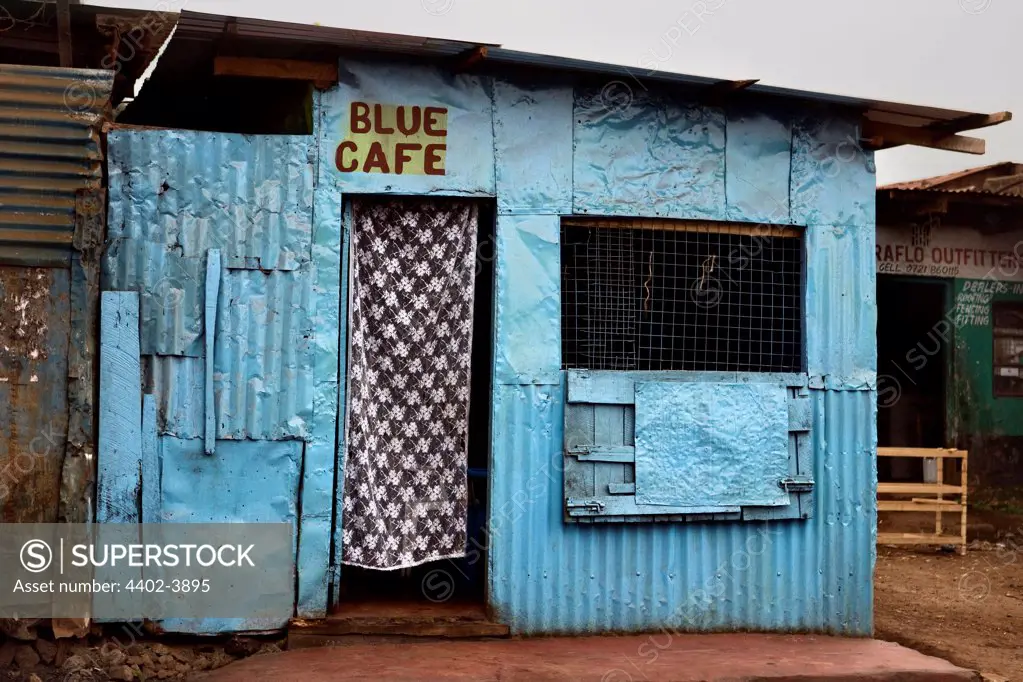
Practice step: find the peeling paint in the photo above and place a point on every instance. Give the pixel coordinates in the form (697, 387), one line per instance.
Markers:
(23, 309)
(33, 381)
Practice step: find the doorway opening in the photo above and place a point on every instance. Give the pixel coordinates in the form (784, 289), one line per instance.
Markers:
(450, 590)
(913, 339)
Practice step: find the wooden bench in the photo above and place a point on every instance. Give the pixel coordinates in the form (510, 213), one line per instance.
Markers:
(926, 497)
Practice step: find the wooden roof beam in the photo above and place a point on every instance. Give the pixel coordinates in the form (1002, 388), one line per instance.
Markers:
(64, 33)
(717, 93)
(468, 59)
(971, 122)
(876, 135)
(322, 74)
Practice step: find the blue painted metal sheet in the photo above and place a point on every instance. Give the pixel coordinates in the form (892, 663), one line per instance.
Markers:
(262, 365)
(176, 194)
(841, 305)
(469, 164)
(757, 165)
(649, 156)
(248, 195)
(255, 362)
(213, 275)
(549, 577)
(120, 403)
(833, 178)
(34, 336)
(328, 297)
(711, 444)
(527, 315)
(150, 465)
(533, 149)
(263, 377)
(347, 225)
(170, 287)
(245, 482)
(178, 384)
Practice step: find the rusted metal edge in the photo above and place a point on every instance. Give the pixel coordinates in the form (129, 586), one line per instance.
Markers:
(78, 473)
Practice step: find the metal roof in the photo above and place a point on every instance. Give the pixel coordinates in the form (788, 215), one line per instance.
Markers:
(1003, 179)
(210, 27)
(201, 26)
(49, 150)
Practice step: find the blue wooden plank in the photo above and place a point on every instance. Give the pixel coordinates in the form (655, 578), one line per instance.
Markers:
(612, 387)
(120, 421)
(578, 475)
(150, 462)
(625, 506)
(621, 454)
(805, 458)
(800, 414)
(609, 430)
(212, 294)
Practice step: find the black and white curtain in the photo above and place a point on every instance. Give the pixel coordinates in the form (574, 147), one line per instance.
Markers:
(405, 486)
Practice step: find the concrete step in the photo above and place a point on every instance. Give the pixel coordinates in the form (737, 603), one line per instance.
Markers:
(396, 622)
(660, 657)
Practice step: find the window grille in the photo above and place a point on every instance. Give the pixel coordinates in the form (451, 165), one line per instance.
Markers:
(674, 295)
(1008, 351)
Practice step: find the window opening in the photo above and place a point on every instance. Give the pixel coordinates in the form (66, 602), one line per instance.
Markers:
(681, 295)
(1008, 351)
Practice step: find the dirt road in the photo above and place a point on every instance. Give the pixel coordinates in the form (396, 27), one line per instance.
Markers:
(967, 609)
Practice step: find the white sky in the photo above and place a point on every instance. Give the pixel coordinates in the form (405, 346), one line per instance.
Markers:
(959, 54)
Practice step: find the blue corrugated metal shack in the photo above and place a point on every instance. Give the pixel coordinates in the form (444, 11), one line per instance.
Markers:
(672, 414)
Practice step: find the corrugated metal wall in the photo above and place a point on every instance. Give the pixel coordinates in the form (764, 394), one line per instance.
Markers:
(560, 150)
(550, 577)
(545, 576)
(174, 195)
(49, 150)
(175, 198)
(50, 230)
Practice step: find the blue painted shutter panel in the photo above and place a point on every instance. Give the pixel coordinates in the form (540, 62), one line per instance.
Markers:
(743, 467)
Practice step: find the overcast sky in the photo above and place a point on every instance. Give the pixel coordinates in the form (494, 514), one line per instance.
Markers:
(958, 54)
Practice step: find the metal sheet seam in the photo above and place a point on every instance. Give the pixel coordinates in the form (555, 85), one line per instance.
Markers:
(320, 460)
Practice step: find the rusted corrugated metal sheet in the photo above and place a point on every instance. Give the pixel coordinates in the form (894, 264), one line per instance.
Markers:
(35, 308)
(998, 179)
(49, 149)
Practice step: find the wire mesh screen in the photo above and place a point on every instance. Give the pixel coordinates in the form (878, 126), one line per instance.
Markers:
(671, 298)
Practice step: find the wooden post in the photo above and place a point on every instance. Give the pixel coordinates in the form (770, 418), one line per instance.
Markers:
(927, 497)
(964, 481)
(64, 33)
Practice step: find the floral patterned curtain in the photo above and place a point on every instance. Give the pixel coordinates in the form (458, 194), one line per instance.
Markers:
(405, 486)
